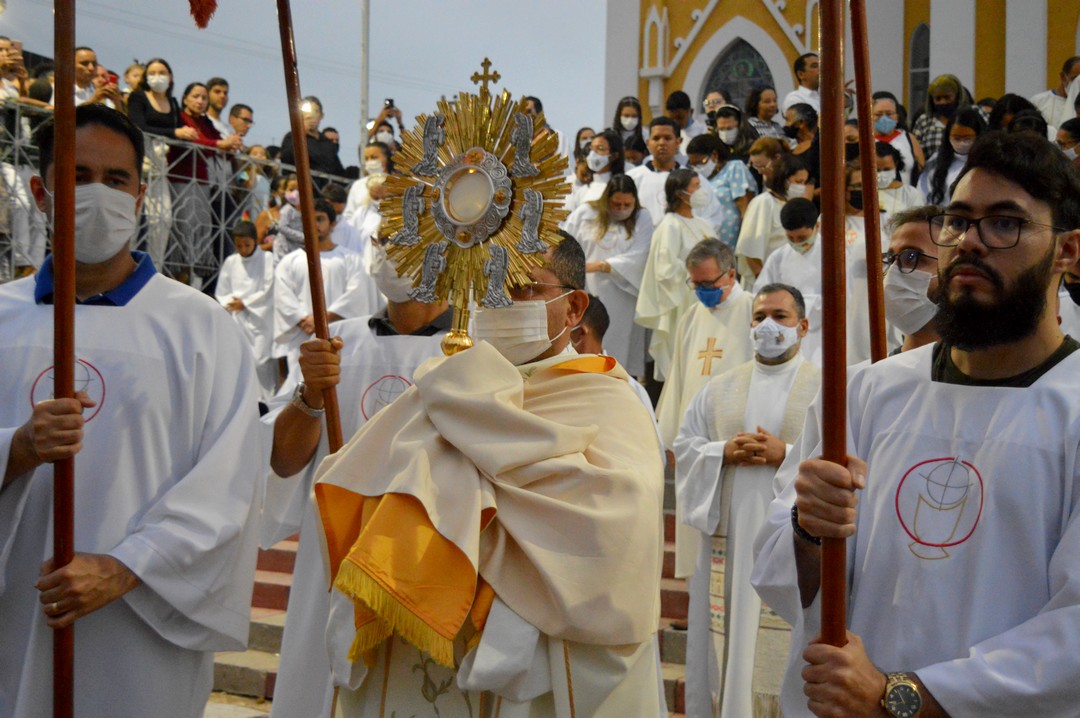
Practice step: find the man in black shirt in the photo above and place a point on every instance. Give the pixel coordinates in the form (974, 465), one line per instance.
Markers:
(322, 152)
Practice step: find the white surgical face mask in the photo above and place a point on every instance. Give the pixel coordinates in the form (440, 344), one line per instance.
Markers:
(597, 161)
(728, 137)
(396, 289)
(373, 167)
(104, 222)
(518, 332)
(158, 83)
(387, 138)
(630, 123)
(1070, 154)
(699, 200)
(796, 190)
(771, 339)
(906, 305)
(885, 178)
(961, 147)
(705, 170)
(620, 215)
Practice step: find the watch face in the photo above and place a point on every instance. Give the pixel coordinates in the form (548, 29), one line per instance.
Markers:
(903, 701)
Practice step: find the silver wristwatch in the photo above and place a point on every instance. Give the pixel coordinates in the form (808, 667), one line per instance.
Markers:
(299, 403)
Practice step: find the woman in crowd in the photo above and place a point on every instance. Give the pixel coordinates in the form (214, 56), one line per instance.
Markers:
(254, 180)
(636, 151)
(1008, 106)
(894, 194)
(888, 128)
(1068, 140)
(731, 184)
(152, 107)
(944, 167)
(761, 109)
(761, 233)
(266, 221)
(377, 161)
(763, 156)
(133, 76)
(627, 120)
(945, 97)
(605, 158)
(615, 231)
(734, 132)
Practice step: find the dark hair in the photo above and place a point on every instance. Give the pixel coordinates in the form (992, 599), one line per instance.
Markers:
(783, 169)
(567, 261)
(619, 183)
(1072, 127)
(663, 120)
(216, 82)
(160, 61)
(675, 183)
(798, 213)
(312, 98)
(800, 63)
(596, 317)
(1029, 121)
(1009, 104)
(805, 113)
(86, 115)
(244, 228)
(637, 144)
(707, 144)
(324, 206)
(990, 102)
(969, 117)
(238, 108)
(884, 149)
(536, 103)
(774, 287)
(334, 193)
(614, 140)
(677, 100)
(329, 129)
(578, 153)
(1067, 67)
(1036, 165)
(628, 101)
(753, 100)
(188, 90)
(386, 153)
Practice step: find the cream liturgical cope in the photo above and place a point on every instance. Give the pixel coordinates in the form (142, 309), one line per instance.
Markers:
(650, 189)
(665, 296)
(727, 504)
(167, 482)
(350, 292)
(251, 280)
(761, 233)
(514, 514)
(707, 343)
(375, 370)
(965, 564)
(802, 271)
(626, 254)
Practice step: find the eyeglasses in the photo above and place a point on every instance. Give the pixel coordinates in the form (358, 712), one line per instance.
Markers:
(995, 231)
(707, 284)
(713, 103)
(906, 259)
(534, 290)
(246, 120)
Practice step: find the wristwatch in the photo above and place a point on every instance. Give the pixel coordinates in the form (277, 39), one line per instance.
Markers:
(902, 699)
(299, 403)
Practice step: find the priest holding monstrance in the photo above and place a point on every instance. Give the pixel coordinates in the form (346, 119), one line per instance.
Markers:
(494, 535)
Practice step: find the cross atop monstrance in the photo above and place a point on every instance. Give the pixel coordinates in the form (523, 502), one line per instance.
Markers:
(483, 79)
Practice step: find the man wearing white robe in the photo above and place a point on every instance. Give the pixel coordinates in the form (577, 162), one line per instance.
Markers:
(245, 287)
(734, 435)
(708, 341)
(563, 636)
(165, 438)
(1054, 103)
(371, 362)
(650, 176)
(963, 565)
(349, 290)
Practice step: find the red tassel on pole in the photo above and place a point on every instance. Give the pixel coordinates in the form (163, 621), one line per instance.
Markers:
(202, 11)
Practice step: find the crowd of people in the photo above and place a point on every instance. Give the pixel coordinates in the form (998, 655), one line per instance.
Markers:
(691, 255)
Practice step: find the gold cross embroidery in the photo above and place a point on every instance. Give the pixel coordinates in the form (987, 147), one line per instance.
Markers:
(483, 79)
(707, 354)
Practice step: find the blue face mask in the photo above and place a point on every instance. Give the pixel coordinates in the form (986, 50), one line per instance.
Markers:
(709, 296)
(884, 125)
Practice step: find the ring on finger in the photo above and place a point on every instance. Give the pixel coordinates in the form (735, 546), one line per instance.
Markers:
(54, 607)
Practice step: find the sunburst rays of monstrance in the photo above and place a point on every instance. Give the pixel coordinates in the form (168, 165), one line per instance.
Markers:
(477, 205)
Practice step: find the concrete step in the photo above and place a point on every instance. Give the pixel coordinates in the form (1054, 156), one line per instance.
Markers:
(280, 557)
(669, 494)
(250, 673)
(674, 601)
(674, 686)
(225, 705)
(672, 643)
(271, 590)
(267, 629)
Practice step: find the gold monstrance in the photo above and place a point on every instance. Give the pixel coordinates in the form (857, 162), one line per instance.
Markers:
(478, 204)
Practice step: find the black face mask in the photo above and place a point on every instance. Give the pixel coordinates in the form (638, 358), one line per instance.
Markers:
(1073, 288)
(851, 151)
(945, 111)
(791, 131)
(855, 198)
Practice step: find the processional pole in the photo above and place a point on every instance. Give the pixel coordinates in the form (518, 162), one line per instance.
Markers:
(833, 273)
(63, 257)
(307, 209)
(871, 215)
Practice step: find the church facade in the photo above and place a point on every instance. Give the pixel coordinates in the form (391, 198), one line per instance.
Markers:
(655, 47)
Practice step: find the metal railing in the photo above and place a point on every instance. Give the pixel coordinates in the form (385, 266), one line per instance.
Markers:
(194, 196)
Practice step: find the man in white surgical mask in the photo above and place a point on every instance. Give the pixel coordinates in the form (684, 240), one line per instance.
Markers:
(911, 276)
(168, 455)
(735, 433)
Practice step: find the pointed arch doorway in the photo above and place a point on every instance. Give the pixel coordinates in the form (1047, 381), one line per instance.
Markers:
(736, 71)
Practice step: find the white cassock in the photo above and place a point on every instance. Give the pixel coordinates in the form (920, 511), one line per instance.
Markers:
(858, 300)
(650, 189)
(367, 221)
(18, 219)
(347, 235)
(728, 506)
(802, 271)
(374, 371)
(1054, 108)
(971, 491)
(665, 296)
(708, 342)
(251, 280)
(349, 291)
(626, 254)
(761, 233)
(167, 483)
(583, 194)
(1069, 313)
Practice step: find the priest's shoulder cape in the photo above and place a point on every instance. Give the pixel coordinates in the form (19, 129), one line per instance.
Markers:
(965, 564)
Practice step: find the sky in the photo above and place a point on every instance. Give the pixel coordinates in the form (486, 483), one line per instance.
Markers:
(420, 50)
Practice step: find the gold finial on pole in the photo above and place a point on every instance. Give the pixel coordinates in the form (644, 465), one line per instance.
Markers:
(483, 79)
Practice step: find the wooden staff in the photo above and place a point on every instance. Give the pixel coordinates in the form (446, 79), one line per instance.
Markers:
(63, 258)
(307, 209)
(871, 215)
(833, 272)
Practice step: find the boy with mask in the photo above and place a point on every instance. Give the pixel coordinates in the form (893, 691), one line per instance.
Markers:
(734, 435)
(911, 276)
